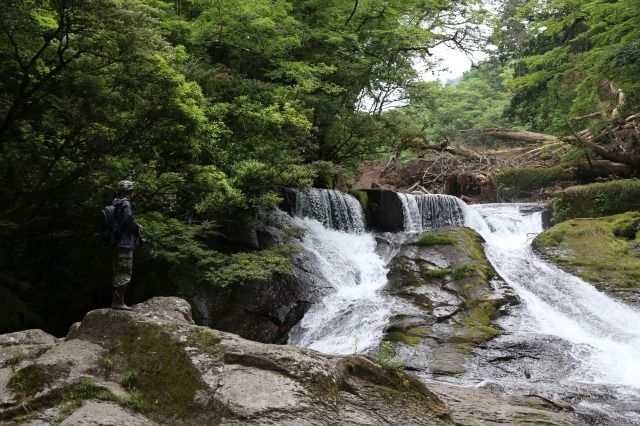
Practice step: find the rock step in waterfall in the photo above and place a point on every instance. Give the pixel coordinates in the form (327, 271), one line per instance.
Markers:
(334, 209)
(386, 210)
(583, 337)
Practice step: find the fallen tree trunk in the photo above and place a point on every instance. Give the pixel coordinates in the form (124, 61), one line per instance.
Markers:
(453, 149)
(623, 157)
(582, 140)
(603, 168)
(517, 135)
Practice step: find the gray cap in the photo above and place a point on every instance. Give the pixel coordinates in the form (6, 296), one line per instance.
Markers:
(124, 187)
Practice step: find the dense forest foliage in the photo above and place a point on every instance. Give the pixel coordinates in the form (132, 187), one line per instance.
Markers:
(214, 106)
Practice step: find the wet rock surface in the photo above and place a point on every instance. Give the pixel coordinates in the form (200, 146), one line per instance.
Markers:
(537, 373)
(264, 311)
(451, 287)
(155, 366)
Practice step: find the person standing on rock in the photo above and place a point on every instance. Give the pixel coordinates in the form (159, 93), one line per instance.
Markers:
(128, 233)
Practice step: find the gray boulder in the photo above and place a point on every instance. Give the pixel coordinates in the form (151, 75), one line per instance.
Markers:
(153, 365)
(156, 365)
(453, 288)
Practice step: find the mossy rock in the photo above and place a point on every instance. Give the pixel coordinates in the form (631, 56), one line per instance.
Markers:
(479, 321)
(596, 200)
(449, 279)
(604, 251)
(511, 182)
(160, 369)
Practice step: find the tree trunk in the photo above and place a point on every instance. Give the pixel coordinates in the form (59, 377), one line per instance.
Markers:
(518, 135)
(581, 140)
(604, 168)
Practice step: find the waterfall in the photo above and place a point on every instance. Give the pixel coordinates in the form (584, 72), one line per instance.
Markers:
(424, 212)
(589, 343)
(350, 318)
(603, 332)
(334, 209)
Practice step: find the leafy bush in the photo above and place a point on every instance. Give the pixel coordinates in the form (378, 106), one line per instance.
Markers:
(188, 254)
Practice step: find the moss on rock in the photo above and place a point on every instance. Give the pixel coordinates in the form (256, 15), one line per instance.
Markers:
(398, 336)
(604, 251)
(436, 272)
(511, 182)
(597, 200)
(436, 239)
(479, 321)
(160, 369)
(30, 380)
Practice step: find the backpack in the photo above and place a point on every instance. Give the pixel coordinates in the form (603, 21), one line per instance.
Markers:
(109, 232)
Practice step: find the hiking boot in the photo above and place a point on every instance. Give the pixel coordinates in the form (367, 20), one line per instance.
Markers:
(117, 299)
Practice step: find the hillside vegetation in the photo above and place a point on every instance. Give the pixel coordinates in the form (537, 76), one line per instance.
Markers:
(213, 107)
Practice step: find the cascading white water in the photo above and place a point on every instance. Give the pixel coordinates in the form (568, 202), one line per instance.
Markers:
(334, 209)
(350, 318)
(603, 333)
(425, 212)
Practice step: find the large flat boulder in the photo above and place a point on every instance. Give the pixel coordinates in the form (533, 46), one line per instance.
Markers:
(156, 365)
(153, 365)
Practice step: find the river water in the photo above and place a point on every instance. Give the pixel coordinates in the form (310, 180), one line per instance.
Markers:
(573, 342)
(564, 341)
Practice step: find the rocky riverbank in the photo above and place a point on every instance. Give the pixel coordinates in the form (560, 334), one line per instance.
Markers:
(155, 366)
(604, 251)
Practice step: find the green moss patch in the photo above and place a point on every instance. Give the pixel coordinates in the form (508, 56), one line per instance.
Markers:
(465, 270)
(479, 321)
(471, 242)
(597, 200)
(86, 389)
(603, 251)
(512, 181)
(159, 372)
(398, 336)
(436, 239)
(32, 379)
(436, 272)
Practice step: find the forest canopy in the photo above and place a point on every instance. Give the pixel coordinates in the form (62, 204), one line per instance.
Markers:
(214, 106)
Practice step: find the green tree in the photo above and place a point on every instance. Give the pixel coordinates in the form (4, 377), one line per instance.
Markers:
(438, 113)
(576, 57)
(325, 70)
(90, 91)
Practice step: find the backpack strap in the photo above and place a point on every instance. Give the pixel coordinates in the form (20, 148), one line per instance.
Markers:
(119, 228)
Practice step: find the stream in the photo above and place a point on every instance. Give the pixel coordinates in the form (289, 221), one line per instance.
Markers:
(565, 341)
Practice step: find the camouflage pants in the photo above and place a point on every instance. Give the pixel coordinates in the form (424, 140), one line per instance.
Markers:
(122, 267)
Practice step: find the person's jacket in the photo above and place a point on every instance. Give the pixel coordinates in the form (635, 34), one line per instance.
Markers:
(128, 230)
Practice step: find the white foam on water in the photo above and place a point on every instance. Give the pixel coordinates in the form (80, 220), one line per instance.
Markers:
(604, 332)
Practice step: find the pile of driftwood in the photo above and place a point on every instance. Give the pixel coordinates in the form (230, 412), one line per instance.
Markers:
(454, 170)
(451, 168)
